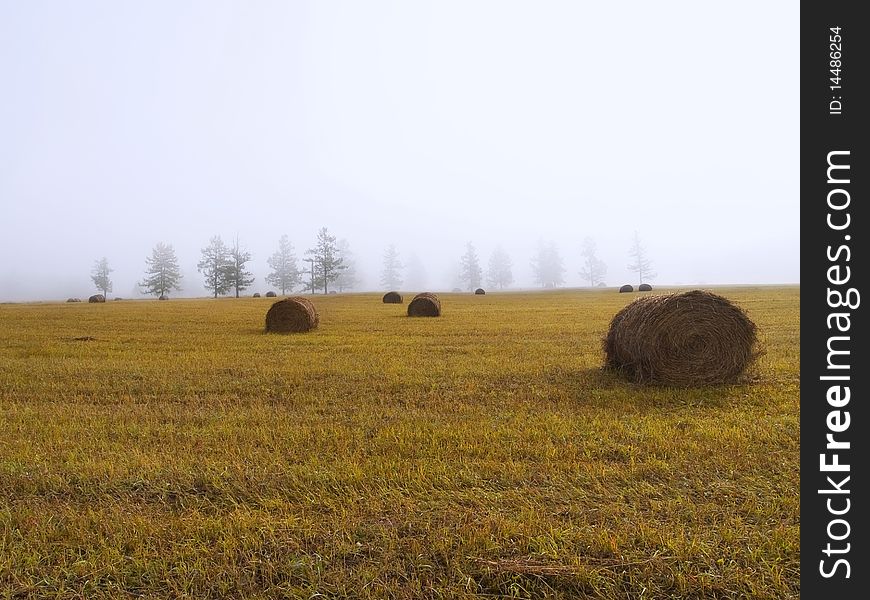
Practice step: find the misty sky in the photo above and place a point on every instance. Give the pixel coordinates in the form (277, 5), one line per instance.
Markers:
(423, 124)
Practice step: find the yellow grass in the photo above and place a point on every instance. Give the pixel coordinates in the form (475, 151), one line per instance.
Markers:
(182, 452)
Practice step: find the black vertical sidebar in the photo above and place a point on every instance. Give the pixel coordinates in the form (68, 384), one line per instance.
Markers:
(835, 436)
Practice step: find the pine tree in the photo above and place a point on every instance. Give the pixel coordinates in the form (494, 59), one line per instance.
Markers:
(161, 271)
(470, 272)
(499, 272)
(100, 276)
(214, 267)
(547, 266)
(594, 268)
(391, 276)
(237, 277)
(326, 262)
(641, 264)
(348, 278)
(285, 274)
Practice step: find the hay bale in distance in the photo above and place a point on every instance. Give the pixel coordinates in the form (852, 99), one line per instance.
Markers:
(644, 287)
(479, 292)
(73, 299)
(271, 295)
(626, 288)
(425, 304)
(163, 297)
(689, 339)
(292, 315)
(393, 298)
(97, 298)
(117, 298)
(256, 295)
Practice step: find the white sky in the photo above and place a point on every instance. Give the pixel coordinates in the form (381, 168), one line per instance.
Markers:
(423, 124)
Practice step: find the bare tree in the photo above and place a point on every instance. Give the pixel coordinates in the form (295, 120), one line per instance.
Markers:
(391, 277)
(641, 264)
(100, 276)
(285, 274)
(594, 268)
(161, 272)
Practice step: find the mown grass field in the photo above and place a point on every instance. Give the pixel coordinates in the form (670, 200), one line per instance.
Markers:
(182, 452)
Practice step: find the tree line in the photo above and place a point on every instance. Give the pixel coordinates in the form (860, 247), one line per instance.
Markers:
(330, 263)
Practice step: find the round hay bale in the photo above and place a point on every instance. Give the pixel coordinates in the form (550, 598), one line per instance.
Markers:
(479, 292)
(644, 287)
(689, 339)
(332, 292)
(292, 315)
(73, 299)
(118, 298)
(425, 304)
(271, 295)
(256, 295)
(393, 298)
(626, 288)
(97, 298)
(163, 297)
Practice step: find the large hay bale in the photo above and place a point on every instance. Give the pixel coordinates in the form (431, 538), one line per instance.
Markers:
(271, 295)
(425, 304)
(393, 298)
(644, 287)
(479, 292)
(97, 298)
(256, 295)
(292, 315)
(689, 339)
(626, 288)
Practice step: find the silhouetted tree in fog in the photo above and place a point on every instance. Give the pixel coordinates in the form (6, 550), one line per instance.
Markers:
(237, 277)
(641, 264)
(470, 272)
(594, 268)
(214, 266)
(326, 261)
(161, 271)
(499, 272)
(391, 277)
(348, 277)
(547, 266)
(285, 274)
(415, 273)
(100, 276)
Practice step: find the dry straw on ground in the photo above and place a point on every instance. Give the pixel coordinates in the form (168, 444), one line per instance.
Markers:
(425, 304)
(626, 288)
(689, 339)
(292, 315)
(97, 298)
(479, 292)
(393, 298)
(644, 287)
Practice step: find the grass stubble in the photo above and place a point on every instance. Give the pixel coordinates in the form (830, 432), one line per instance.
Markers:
(172, 449)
